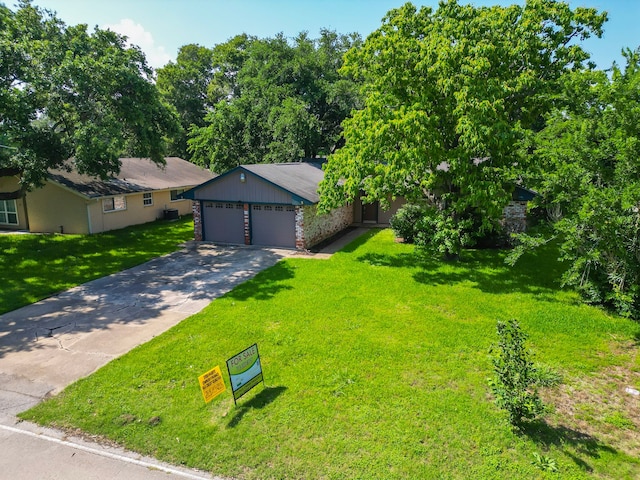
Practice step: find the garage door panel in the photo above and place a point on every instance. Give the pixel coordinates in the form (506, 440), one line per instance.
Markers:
(223, 222)
(273, 225)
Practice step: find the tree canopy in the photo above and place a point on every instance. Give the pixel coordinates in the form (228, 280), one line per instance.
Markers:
(589, 178)
(275, 100)
(66, 93)
(449, 97)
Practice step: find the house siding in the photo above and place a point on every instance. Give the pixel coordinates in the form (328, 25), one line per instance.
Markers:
(252, 190)
(136, 212)
(52, 208)
(312, 228)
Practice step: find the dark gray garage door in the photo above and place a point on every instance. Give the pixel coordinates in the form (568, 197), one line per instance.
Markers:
(273, 225)
(223, 222)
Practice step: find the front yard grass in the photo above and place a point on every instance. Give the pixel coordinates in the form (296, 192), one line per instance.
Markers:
(36, 266)
(376, 364)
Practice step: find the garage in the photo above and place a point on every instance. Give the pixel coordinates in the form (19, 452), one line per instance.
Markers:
(273, 225)
(223, 222)
(266, 204)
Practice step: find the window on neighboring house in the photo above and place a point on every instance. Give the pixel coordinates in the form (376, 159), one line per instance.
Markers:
(147, 199)
(113, 204)
(8, 212)
(175, 193)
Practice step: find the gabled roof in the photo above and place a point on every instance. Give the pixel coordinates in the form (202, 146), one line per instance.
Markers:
(136, 175)
(300, 179)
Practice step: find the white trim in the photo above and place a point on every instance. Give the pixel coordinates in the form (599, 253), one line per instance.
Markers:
(89, 218)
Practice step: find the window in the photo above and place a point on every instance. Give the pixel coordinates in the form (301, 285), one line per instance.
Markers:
(268, 208)
(8, 212)
(147, 199)
(175, 193)
(291, 209)
(257, 207)
(114, 204)
(279, 208)
(229, 205)
(219, 205)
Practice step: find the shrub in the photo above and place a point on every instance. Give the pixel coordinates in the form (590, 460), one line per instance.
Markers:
(408, 221)
(516, 379)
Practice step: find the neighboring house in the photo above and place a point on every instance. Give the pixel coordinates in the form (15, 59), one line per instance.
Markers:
(266, 204)
(69, 202)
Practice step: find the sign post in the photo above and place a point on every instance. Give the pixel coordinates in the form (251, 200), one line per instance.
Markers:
(245, 371)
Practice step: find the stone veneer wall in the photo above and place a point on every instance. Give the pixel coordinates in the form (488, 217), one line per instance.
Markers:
(312, 228)
(197, 221)
(514, 218)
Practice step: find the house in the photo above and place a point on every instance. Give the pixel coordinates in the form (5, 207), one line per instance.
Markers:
(276, 205)
(266, 204)
(69, 202)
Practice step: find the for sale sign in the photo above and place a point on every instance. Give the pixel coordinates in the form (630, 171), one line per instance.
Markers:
(245, 371)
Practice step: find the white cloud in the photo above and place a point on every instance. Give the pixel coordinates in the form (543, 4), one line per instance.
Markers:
(156, 55)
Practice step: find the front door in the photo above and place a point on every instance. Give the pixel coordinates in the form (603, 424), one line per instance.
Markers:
(370, 212)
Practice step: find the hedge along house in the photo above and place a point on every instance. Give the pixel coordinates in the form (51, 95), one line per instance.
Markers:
(266, 204)
(69, 202)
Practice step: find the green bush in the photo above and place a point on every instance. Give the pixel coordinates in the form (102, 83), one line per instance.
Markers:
(408, 221)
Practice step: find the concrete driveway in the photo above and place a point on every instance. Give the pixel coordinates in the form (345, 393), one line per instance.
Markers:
(48, 345)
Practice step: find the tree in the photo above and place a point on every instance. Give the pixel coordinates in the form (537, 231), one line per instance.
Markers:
(589, 176)
(184, 85)
(276, 101)
(449, 96)
(67, 94)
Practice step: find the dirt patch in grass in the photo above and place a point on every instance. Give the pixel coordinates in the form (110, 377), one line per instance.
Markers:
(602, 405)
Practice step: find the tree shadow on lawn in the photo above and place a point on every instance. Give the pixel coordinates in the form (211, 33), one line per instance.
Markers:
(261, 400)
(561, 437)
(265, 285)
(538, 272)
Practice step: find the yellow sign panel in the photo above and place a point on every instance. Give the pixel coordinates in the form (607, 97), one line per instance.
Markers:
(212, 384)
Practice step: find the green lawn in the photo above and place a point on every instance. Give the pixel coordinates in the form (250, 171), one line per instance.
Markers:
(34, 267)
(376, 364)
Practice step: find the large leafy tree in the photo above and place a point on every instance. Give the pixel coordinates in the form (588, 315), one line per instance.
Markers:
(183, 84)
(277, 100)
(590, 183)
(66, 93)
(449, 97)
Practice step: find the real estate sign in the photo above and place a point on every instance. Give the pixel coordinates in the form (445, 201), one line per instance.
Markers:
(212, 384)
(245, 371)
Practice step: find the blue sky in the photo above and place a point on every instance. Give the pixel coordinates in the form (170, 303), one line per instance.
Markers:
(161, 27)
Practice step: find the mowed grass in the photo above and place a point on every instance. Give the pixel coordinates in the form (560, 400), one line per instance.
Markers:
(34, 267)
(375, 363)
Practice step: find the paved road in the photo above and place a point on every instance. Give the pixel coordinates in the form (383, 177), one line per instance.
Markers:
(48, 345)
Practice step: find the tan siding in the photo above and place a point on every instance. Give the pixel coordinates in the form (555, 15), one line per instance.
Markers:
(137, 212)
(52, 207)
(384, 216)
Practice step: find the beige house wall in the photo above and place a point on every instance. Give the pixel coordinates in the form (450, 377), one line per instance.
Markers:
(136, 212)
(12, 184)
(54, 209)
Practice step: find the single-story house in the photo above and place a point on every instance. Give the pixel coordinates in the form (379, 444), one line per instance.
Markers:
(276, 205)
(266, 204)
(69, 202)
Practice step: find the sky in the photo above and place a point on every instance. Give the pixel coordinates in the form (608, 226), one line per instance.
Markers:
(161, 27)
